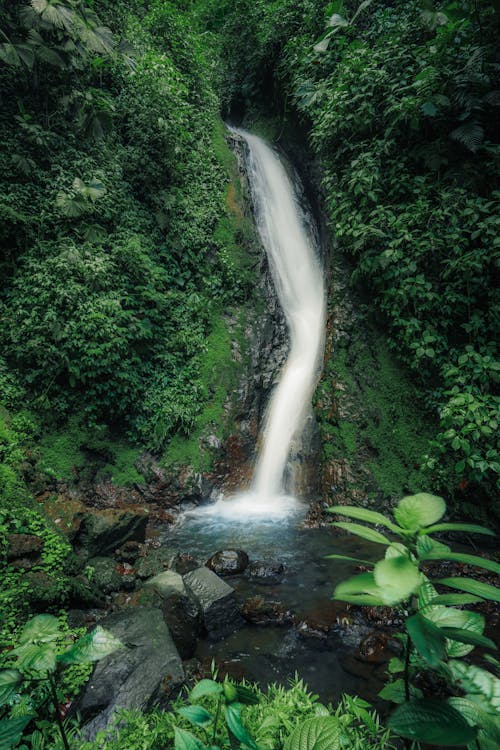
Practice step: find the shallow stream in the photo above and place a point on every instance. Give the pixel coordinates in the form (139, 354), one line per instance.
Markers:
(270, 653)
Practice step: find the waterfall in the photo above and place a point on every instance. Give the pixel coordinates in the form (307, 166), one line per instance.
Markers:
(285, 230)
(298, 281)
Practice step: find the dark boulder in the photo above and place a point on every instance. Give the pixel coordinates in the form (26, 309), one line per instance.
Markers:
(180, 609)
(135, 677)
(102, 532)
(24, 550)
(105, 575)
(216, 600)
(267, 572)
(228, 562)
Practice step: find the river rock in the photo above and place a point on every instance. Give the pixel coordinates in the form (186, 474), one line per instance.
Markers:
(259, 611)
(105, 575)
(23, 545)
(133, 677)
(267, 572)
(217, 602)
(155, 561)
(180, 610)
(128, 552)
(102, 532)
(228, 562)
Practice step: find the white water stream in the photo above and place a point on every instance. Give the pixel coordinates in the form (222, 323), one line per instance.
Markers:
(298, 279)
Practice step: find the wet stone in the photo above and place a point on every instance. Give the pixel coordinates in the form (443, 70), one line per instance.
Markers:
(266, 572)
(216, 600)
(228, 562)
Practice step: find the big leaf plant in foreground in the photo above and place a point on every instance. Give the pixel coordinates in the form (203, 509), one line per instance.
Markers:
(438, 632)
(40, 658)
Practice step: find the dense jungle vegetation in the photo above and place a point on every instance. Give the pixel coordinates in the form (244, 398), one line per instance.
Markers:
(123, 247)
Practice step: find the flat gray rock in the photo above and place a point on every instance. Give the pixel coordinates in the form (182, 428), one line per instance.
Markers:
(217, 602)
(135, 676)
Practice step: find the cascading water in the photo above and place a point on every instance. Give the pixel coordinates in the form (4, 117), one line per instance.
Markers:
(298, 280)
(299, 285)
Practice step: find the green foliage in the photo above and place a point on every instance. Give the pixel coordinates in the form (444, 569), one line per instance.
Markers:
(274, 718)
(437, 633)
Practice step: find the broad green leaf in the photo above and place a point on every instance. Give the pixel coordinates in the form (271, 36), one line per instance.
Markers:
(427, 545)
(233, 721)
(40, 658)
(197, 715)
(360, 599)
(456, 599)
(479, 562)
(396, 692)
(318, 733)
(472, 528)
(449, 617)
(40, 629)
(475, 715)
(10, 679)
(205, 687)
(186, 741)
(427, 638)
(246, 695)
(364, 583)
(361, 514)
(485, 590)
(11, 731)
(431, 721)
(396, 549)
(415, 511)
(468, 636)
(91, 647)
(350, 559)
(481, 686)
(395, 665)
(396, 578)
(426, 594)
(363, 531)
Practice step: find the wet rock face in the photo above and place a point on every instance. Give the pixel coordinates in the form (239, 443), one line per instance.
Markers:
(103, 532)
(228, 562)
(136, 676)
(216, 600)
(267, 572)
(24, 550)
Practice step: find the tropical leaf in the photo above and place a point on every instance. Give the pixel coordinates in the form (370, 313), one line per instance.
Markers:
(469, 637)
(362, 514)
(11, 731)
(484, 590)
(40, 629)
(186, 741)
(350, 559)
(471, 528)
(431, 721)
(363, 531)
(479, 562)
(10, 679)
(197, 715)
(205, 687)
(396, 578)
(481, 686)
(233, 721)
(428, 639)
(416, 511)
(318, 733)
(91, 647)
